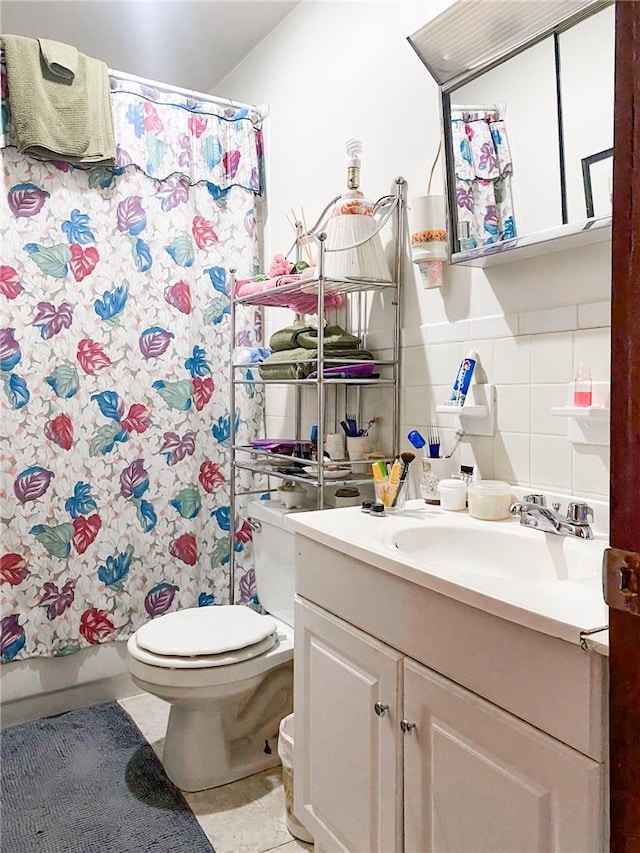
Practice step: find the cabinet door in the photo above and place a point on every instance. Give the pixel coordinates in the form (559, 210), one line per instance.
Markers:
(478, 780)
(347, 758)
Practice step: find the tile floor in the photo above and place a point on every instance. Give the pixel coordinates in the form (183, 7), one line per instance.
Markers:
(244, 817)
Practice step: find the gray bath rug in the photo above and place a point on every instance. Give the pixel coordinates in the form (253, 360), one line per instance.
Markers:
(88, 782)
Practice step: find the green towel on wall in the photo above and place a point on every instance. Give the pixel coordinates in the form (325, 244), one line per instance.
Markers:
(55, 118)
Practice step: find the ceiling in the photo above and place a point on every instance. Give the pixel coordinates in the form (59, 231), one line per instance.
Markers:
(189, 43)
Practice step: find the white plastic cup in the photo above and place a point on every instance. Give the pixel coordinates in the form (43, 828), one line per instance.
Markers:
(357, 446)
(453, 494)
(433, 470)
(334, 445)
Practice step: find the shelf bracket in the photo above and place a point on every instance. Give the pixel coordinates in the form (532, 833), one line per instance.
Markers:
(477, 416)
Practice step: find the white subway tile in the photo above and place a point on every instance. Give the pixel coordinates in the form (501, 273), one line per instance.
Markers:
(477, 450)
(513, 408)
(592, 314)
(511, 457)
(551, 461)
(414, 367)
(445, 332)
(593, 348)
(548, 320)
(543, 398)
(279, 427)
(443, 361)
(511, 361)
(497, 326)
(414, 337)
(591, 470)
(420, 402)
(552, 358)
(279, 400)
(378, 340)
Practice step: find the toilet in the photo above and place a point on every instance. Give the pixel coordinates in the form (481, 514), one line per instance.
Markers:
(227, 671)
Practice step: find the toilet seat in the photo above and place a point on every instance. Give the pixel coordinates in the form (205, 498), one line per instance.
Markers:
(200, 661)
(221, 634)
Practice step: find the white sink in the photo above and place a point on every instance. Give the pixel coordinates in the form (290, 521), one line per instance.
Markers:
(499, 550)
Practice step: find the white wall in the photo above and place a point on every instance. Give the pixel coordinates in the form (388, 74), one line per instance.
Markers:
(332, 70)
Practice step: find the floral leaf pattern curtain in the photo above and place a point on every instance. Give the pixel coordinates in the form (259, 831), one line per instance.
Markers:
(114, 394)
(483, 170)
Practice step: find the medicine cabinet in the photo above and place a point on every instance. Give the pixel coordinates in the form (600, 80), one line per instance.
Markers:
(527, 119)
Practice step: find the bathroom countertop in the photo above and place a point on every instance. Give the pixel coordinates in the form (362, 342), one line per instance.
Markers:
(598, 642)
(563, 609)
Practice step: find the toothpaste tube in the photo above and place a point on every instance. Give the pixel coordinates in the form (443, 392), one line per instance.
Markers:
(463, 379)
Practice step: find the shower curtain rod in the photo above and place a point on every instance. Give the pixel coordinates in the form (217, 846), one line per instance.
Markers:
(262, 109)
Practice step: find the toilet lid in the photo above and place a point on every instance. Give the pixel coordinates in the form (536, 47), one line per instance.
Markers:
(200, 631)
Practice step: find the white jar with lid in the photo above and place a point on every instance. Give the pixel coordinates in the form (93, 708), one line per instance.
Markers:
(489, 499)
(453, 494)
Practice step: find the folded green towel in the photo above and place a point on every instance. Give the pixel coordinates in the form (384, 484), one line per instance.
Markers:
(56, 119)
(286, 339)
(305, 361)
(275, 366)
(334, 337)
(61, 59)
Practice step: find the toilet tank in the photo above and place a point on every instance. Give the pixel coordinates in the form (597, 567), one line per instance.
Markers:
(274, 558)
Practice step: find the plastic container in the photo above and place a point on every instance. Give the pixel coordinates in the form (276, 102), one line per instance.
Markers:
(285, 751)
(582, 392)
(489, 499)
(347, 497)
(453, 494)
(291, 495)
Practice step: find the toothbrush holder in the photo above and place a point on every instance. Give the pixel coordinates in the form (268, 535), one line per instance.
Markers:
(433, 470)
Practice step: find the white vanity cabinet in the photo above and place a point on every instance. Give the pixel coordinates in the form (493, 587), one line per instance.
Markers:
(348, 758)
(478, 779)
(392, 755)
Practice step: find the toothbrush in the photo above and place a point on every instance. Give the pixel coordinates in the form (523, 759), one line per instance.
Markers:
(394, 482)
(459, 437)
(380, 476)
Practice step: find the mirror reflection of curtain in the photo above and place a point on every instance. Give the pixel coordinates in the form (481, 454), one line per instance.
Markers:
(483, 170)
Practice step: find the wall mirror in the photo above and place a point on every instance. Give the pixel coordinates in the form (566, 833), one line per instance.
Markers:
(527, 116)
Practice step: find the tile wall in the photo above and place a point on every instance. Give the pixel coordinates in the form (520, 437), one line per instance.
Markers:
(531, 369)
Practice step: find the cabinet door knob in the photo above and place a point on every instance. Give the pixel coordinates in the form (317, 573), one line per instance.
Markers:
(406, 726)
(380, 709)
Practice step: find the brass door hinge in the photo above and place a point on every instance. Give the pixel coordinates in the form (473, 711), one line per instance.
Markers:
(621, 580)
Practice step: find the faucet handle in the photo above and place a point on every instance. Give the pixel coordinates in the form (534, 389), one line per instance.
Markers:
(579, 512)
(537, 500)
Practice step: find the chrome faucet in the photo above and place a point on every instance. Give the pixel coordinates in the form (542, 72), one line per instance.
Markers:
(534, 512)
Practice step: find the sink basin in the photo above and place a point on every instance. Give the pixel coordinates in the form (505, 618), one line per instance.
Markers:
(500, 550)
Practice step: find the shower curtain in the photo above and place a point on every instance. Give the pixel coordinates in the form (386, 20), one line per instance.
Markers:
(114, 383)
(483, 169)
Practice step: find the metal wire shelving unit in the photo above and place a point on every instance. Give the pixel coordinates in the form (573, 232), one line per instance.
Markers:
(280, 466)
